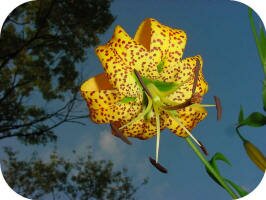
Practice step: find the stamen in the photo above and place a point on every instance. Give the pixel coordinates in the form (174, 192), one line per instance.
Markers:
(119, 134)
(158, 132)
(142, 83)
(158, 165)
(218, 107)
(187, 131)
(203, 148)
(207, 105)
(141, 115)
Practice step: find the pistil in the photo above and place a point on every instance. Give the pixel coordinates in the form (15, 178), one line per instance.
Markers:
(157, 102)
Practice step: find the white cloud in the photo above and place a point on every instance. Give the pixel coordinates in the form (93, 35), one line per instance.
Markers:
(111, 148)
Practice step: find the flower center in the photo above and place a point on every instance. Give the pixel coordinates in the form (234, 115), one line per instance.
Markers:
(157, 93)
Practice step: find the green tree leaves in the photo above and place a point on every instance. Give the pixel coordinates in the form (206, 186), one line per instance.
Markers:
(58, 178)
(41, 45)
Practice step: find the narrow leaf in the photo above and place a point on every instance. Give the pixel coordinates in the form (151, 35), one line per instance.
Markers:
(264, 93)
(217, 156)
(237, 188)
(253, 27)
(221, 157)
(263, 44)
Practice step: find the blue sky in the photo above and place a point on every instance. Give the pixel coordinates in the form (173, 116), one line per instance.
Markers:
(220, 32)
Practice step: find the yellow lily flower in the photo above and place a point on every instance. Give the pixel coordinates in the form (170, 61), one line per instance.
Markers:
(147, 86)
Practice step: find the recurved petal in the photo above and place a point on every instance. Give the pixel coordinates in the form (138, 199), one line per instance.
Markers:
(164, 43)
(185, 73)
(99, 93)
(104, 101)
(119, 74)
(133, 54)
(116, 112)
(141, 129)
(189, 116)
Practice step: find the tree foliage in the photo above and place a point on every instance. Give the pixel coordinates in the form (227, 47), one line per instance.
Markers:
(41, 44)
(59, 178)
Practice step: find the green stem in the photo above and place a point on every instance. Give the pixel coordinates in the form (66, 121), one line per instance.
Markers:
(210, 168)
(240, 136)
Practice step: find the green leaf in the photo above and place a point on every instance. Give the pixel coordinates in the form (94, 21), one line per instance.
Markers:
(259, 41)
(263, 45)
(264, 94)
(255, 119)
(160, 66)
(241, 115)
(127, 99)
(217, 156)
(162, 86)
(220, 156)
(237, 188)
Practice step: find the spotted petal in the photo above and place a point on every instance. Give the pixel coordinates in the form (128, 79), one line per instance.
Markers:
(188, 116)
(184, 72)
(164, 43)
(119, 74)
(105, 103)
(142, 129)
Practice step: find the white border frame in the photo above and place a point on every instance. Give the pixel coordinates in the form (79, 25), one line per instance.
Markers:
(6, 7)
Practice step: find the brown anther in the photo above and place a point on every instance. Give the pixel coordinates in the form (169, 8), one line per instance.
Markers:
(203, 148)
(116, 132)
(218, 107)
(158, 165)
(142, 83)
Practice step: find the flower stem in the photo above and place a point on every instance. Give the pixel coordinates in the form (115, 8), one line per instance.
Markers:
(210, 168)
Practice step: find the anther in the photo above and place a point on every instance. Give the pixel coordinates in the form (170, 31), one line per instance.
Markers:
(218, 107)
(203, 148)
(119, 134)
(158, 165)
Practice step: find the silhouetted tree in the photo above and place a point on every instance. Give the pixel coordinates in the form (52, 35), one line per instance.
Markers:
(41, 44)
(58, 178)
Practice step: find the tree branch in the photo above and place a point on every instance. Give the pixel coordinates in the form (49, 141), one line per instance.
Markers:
(68, 108)
(26, 44)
